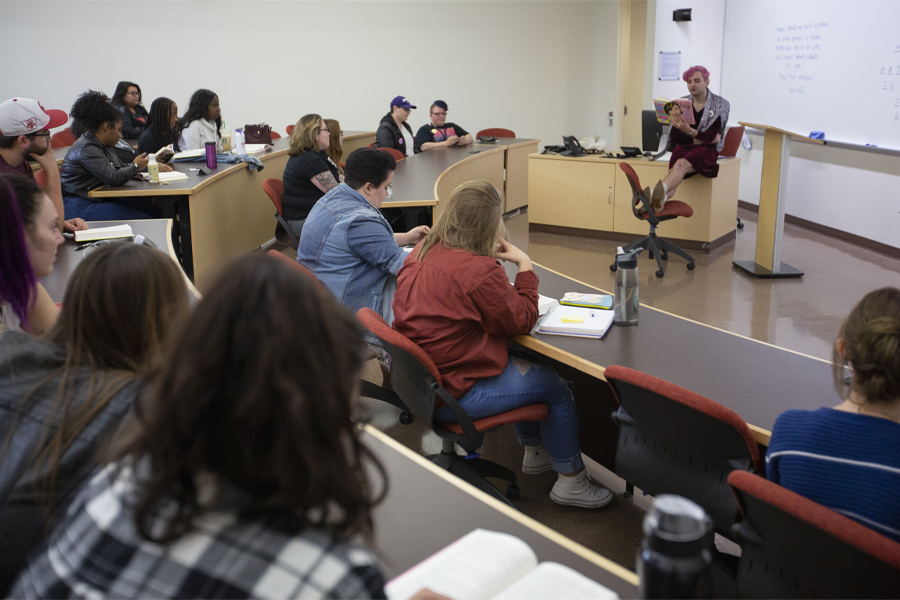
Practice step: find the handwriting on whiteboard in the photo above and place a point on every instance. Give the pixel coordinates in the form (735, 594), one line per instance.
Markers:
(797, 52)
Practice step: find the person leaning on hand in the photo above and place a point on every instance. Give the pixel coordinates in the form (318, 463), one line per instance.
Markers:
(439, 133)
(25, 135)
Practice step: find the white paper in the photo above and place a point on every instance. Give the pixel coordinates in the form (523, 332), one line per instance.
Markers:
(475, 567)
(669, 66)
(190, 153)
(103, 233)
(594, 321)
(553, 581)
(546, 304)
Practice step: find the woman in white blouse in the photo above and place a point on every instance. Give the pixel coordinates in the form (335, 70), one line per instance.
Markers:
(201, 123)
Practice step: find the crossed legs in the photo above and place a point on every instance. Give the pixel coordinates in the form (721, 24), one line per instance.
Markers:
(665, 188)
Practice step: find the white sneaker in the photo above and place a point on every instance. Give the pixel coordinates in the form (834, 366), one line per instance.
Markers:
(579, 491)
(536, 460)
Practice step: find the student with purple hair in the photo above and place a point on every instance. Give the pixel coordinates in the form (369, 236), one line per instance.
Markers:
(29, 238)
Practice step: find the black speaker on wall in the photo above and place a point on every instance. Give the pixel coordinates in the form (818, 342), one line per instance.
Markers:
(681, 14)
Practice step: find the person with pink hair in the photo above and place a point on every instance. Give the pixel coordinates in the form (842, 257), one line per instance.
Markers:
(695, 149)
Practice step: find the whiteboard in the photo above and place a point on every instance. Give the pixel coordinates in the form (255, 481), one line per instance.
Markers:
(816, 65)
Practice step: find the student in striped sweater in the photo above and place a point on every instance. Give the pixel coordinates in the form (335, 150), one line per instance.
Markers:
(848, 457)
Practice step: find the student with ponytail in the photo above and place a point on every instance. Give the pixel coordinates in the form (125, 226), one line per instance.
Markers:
(848, 457)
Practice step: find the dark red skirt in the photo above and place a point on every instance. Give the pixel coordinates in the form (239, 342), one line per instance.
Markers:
(702, 158)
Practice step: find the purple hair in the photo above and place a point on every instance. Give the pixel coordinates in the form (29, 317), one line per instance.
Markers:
(690, 73)
(18, 286)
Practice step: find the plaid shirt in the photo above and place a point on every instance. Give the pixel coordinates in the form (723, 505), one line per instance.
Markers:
(97, 552)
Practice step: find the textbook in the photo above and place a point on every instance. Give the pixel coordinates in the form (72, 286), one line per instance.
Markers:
(601, 301)
(256, 148)
(576, 321)
(189, 154)
(487, 564)
(104, 233)
(164, 177)
(687, 110)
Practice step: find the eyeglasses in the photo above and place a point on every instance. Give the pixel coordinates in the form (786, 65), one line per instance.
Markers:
(439, 114)
(132, 93)
(45, 134)
(324, 129)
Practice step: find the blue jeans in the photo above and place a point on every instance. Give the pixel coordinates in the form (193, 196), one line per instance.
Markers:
(120, 209)
(520, 384)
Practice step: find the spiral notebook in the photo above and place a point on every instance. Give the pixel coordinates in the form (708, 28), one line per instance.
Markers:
(576, 321)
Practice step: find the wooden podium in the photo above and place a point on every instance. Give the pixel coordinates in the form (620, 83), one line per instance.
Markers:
(776, 155)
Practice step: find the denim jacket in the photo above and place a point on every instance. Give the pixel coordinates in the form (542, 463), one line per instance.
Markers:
(351, 249)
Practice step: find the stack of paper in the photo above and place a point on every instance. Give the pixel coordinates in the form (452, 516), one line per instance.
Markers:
(104, 233)
(576, 322)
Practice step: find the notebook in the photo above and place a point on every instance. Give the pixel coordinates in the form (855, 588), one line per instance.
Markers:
(576, 321)
(165, 177)
(603, 301)
(104, 233)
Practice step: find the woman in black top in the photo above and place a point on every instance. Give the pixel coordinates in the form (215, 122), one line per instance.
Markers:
(127, 99)
(309, 173)
(160, 130)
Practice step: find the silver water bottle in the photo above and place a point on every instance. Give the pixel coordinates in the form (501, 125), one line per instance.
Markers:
(625, 301)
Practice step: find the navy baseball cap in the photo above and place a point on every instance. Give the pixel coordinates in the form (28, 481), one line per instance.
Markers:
(402, 102)
(441, 104)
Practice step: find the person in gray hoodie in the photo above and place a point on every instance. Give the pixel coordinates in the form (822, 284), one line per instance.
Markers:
(63, 395)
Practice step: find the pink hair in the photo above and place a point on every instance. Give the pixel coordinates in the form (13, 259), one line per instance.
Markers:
(690, 73)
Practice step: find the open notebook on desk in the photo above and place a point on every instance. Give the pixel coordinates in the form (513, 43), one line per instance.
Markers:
(575, 321)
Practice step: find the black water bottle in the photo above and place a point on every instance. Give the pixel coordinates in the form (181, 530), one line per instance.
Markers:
(676, 551)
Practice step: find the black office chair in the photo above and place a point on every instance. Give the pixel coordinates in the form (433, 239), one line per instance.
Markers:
(419, 384)
(792, 547)
(673, 441)
(657, 247)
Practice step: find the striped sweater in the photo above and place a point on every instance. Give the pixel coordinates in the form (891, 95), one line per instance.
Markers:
(845, 461)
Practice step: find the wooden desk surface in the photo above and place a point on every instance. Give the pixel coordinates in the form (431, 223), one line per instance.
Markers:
(427, 508)
(159, 231)
(757, 380)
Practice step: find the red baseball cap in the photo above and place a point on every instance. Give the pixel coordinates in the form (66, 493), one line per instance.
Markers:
(24, 116)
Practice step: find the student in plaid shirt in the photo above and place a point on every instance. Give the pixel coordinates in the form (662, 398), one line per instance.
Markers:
(242, 475)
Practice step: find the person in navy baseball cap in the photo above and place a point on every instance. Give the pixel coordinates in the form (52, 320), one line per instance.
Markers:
(25, 136)
(439, 133)
(393, 130)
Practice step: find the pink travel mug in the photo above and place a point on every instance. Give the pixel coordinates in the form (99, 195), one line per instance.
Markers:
(211, 155)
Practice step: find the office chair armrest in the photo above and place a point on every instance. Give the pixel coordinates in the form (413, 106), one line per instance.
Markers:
(464, 420)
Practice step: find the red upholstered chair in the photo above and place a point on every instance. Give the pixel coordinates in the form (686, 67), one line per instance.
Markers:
(398, 156)
(418, 382)
(275, 254)
(673, 441)
(372, 145)
(496, 132)
(62, 139)
(40, 176)
(290, 129)
(792, 547)
(274, 189)
(275, 135)
(657, 247)
(732, 142)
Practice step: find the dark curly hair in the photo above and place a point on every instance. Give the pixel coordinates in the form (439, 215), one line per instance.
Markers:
(198, 107)
(227, 399)
(118, 99)
(92, 109)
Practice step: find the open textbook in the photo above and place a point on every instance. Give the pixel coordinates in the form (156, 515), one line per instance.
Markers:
(485, 565)
(687, 110)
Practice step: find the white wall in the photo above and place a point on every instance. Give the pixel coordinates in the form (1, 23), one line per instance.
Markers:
(699, 41)
(848, 190)
(539, 68)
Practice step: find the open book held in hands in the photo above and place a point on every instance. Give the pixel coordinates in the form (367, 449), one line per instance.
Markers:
(687, 109)
(485, 565)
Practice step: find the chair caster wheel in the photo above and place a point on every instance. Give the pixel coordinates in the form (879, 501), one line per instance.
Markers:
(406, 417)
(690, 266)
(664, 255)
(512, 491)
(740, 225)
(613, 267)
(660, 273)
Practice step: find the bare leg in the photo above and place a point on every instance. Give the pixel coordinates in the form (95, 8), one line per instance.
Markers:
(676, 175)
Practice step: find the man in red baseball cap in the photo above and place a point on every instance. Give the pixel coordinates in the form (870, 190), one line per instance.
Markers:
(24, 136)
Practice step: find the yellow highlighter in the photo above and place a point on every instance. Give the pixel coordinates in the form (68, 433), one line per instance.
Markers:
(572, 319)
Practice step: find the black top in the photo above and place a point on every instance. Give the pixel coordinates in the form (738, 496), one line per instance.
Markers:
(430, 133)
(301, 194)
(133, 124)
(388, 135)
(151, 144)
(90, 164)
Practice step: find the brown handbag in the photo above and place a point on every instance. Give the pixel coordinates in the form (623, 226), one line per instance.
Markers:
(257, 134)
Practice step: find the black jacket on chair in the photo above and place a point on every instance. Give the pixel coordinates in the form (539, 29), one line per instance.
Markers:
(132, 128)
(89, 164)
(388, 135)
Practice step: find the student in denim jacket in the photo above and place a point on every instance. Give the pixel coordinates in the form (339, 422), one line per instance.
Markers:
(349, 245)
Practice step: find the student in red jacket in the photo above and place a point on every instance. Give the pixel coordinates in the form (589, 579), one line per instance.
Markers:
(454, 300)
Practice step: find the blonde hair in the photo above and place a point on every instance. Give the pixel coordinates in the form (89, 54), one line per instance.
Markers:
(305, 137)
(871, 334)
(334, 150)
(472, 220)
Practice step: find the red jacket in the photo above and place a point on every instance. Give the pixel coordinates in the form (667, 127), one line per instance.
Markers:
(460, 308)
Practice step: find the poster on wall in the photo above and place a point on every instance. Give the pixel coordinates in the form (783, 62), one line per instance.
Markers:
(669, 66)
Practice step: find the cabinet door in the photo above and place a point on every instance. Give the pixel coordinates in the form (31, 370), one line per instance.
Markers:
(571, 193)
